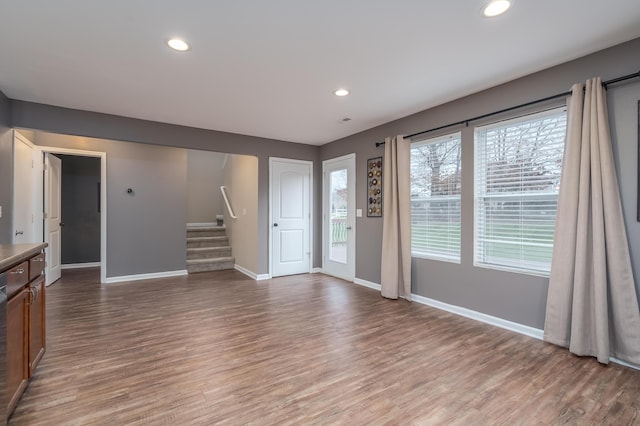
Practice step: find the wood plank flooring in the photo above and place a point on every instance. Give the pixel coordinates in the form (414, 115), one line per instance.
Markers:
(219, 348)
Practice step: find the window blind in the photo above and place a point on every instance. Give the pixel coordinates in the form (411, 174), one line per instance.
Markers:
(517, 177)
(435, 198)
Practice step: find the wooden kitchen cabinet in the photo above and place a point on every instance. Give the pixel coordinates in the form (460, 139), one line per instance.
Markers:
(17, 346)
(37, 330)
(26, 328)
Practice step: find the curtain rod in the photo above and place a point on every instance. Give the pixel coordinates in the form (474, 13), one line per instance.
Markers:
(526, 104)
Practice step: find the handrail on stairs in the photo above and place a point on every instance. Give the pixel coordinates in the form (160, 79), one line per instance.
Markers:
(223, 189)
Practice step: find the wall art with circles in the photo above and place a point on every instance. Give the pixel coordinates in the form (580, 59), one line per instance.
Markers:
(374, 187)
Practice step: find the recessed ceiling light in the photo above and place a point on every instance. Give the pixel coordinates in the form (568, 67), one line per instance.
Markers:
(177, 44)
(341, 92)
(496, 7)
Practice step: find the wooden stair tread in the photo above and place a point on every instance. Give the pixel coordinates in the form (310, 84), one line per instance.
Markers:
(201, 249)
(210, 260)
(205, 228)
(216, 238)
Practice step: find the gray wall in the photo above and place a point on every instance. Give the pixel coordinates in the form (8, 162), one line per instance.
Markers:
(146, 229)
(241, 180)
(84, 123)
(204, 176)
(516, 297)
(6, 171)
(80, 209)
(625, 128)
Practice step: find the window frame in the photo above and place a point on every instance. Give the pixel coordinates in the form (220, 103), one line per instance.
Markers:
(477, 261)
(432, 255)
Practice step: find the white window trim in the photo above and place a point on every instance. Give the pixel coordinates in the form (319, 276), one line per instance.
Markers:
(502, 123)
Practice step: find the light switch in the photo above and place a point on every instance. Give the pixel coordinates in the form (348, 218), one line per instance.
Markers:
(358, 212)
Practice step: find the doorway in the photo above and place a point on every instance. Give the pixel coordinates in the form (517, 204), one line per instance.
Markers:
(338, 212)
(81, 207)
(45, 193)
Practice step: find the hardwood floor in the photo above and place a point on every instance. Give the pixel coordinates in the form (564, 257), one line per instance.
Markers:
(219, 348)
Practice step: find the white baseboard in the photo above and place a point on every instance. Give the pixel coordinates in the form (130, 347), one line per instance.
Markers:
(245, 271)
(366, 283)
(468, 313)
(80, 265)
(251, 274)
(626, 364)
(138, 277)
(316, 270)
(536, 333)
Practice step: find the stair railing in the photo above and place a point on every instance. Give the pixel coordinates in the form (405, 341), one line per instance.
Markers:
(223, 189)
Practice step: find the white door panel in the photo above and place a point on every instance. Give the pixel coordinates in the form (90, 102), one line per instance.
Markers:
(53, 219)
(339, 224)
(23, 192)
(290, 217)
(292, 245)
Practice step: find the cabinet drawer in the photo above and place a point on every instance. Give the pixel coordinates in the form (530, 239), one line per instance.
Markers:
(36, 266)
(17, 277)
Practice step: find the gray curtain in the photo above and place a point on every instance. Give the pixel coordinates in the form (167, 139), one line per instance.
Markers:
(396, 225)
(592, 306)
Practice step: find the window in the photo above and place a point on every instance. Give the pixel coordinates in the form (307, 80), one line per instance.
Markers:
(435, 198)
(517, 177)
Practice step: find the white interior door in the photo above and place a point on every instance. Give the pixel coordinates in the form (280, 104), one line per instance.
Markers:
(339, 218)
(290, 183)
(52, 218)
(23, 193)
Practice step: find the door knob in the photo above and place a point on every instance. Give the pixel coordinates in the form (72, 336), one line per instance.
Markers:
(19, 233)
(275, 224)
(61, 224)
(348, 228)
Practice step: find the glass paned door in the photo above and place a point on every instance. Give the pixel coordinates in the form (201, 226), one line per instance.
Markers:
(339, 217)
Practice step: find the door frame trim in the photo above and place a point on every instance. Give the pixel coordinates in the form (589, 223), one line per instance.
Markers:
(351, 156)
(103, 196)
(311, 215)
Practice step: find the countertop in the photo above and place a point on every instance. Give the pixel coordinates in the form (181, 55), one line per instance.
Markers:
(12, 254)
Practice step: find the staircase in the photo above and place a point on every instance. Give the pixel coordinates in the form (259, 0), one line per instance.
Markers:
(208, 249)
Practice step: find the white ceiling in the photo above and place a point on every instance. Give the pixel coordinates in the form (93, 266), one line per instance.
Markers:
(268, 68)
